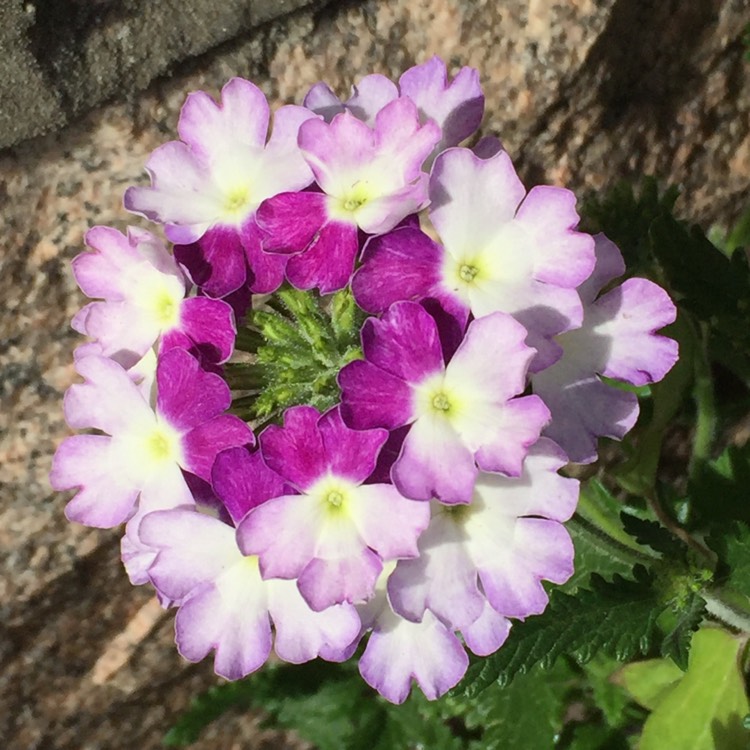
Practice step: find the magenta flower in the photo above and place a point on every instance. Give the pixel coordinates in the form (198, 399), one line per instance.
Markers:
(144, 301)
(141, 457)
(206, 187)
(617, 339)
(502, 250)
(335, 534)
(496, 550)
(227, 607)
(371, 179)
(463, 414)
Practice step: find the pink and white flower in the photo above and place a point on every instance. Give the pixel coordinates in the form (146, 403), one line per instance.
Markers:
(144, 301)
(370, 179)
(206, 187)
(227, 607)
(617, 339)
(456, 106)
(462, 414)
(494, 551)
(502, 250)
(140, 458)
(335, 534)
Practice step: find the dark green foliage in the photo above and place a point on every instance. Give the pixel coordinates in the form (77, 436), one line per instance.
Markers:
(625, 216)
(298, 349)
(616, 618)
(719, 489)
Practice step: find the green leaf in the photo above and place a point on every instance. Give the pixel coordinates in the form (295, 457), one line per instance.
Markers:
(705, 710)
(594, 553)
(616, 618)
(527, 714)
(677, 641)
(649, 681)
(609, 697)
(653, 534)
(719, 489)
(595, 737)
(602, 509)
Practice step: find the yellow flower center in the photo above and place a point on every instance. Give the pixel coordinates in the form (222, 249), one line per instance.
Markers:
(440, 402)
(467, 272)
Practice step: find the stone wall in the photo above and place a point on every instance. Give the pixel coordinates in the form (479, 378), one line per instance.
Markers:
(61, 58)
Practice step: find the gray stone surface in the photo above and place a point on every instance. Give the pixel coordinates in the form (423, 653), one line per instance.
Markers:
(60, 58)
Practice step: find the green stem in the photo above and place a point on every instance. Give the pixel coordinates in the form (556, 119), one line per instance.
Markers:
(705, 402)
(728, 613)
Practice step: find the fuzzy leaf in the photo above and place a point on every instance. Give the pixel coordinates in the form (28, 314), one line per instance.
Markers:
(616, 618)
(527, 714)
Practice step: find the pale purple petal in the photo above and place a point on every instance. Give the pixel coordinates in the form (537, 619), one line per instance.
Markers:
(512, 580)
(374, 515)
(457, 106)
(492, 359)
(301, 633)
(188, 396)
(401, 265)
(370, 95)
(404, 342)
(178, 195)
(540, 490)
(505, 441)
(108, 400)
(193, 549)
(243, 481)
(372, 397)
(583, 409)
(323, 101)
(471, 197)
(241, 119)
(384, 213)
(295, 451)
(325, 582)
(99, 274)
(229, 616)
(283, 532)
(628, 316)
(124, 332)
(204, 442)
(609, 265)
(443, 578)
(106, 497)
(549, 216)
(487, 633)
(399, 651)
(434, 463)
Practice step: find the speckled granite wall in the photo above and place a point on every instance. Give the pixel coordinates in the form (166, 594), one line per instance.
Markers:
(582, 92)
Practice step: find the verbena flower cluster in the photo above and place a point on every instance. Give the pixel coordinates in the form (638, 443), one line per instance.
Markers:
(422, 345)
